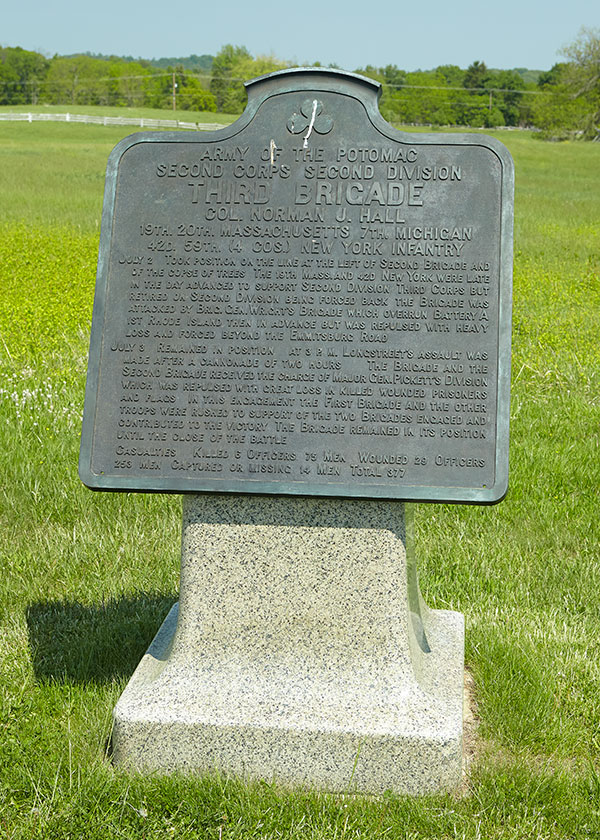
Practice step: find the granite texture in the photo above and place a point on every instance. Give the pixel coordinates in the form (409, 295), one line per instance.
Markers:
(300, 650)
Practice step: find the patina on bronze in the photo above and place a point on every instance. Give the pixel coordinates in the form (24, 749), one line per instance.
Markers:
(305, 302)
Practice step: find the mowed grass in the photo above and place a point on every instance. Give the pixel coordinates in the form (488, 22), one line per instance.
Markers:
(73, 157)
(87, 578)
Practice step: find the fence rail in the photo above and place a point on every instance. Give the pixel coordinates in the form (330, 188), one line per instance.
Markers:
(142, 122)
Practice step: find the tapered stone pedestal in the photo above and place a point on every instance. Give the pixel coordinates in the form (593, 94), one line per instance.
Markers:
(300, 651)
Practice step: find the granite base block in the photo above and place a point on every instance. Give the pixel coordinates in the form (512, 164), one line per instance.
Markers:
(300, 651)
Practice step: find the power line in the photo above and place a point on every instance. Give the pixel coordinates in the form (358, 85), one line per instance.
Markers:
(151, 76)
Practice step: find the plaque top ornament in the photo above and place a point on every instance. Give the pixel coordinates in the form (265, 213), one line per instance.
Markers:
(307, 302)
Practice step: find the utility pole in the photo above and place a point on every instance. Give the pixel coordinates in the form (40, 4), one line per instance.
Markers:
(174, 93)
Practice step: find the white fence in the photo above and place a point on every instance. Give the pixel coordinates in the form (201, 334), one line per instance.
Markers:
(142, 122)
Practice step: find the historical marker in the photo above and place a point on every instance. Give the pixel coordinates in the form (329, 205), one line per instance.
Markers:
(306, 302)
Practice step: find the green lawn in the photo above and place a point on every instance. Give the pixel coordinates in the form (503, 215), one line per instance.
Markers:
(87, 578)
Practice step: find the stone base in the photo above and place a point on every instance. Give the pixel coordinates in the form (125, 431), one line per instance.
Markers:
(301, 651)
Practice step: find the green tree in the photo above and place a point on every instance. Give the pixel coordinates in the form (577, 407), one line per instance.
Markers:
(554, 76)
(452, 74)
(475, 107)
(79, 80)
(8, 84)
(225, 83)
(21, 75)
(129, 84)
(555, 111)
(231, 67)
(390, 78)
(582, 78)
(506, 87)
(190, 94)
(476, 75)
(393, 75)
(426, 99)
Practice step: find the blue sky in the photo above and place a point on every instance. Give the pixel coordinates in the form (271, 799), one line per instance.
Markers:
(414, 34)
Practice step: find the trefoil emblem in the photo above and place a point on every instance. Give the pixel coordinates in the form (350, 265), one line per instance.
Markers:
(311, 117)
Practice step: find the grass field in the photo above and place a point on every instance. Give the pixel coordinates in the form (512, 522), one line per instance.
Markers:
(87, 578)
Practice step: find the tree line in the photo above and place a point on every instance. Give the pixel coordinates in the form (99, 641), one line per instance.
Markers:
(29, 78)
(561, 102)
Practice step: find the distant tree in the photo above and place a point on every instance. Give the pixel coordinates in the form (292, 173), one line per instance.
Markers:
(129, 84)
(554, 76)
(507, 97)
(199, 64)
(393, 75)
(390, 78)
(80, 80)
(452, 74)
(556, 112)
(8, 84)
(230, 68)
(225, 84)
(21, 75)
(530, 77)
(371, 72)
(190, 95)
(570, 101)
(424, 100)
(476, 75)
(582, 77)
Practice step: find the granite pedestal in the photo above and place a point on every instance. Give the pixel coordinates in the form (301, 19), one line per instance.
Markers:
(300, 651)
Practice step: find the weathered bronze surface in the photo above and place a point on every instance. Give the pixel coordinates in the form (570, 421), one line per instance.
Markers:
(305, 302)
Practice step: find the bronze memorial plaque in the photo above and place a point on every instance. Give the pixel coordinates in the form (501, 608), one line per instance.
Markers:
(305, 302)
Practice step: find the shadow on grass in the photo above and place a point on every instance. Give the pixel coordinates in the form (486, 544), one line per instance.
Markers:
(99, 643)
